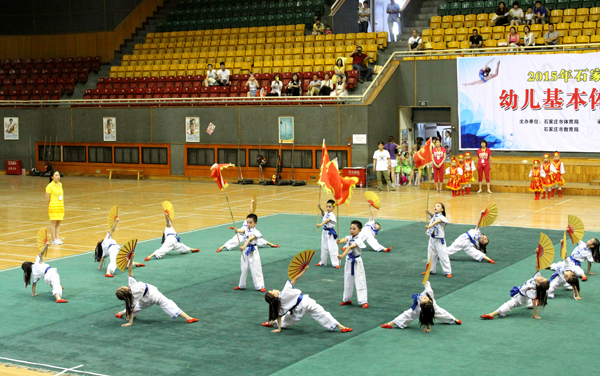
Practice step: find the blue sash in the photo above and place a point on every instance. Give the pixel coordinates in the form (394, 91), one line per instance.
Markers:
(175, 235)
(296, 305)
(331, 231)
(46, 271)
(250, 248)
(145, 291)
(472, 240)
(442, 239)
(375, 231)
(415, 301)
(352, 260)
(515, 290)
(553, 276)
(575, 261)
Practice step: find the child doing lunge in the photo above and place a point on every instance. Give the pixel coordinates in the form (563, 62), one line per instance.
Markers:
(354, 270)
(33, 272)
(565, 277)
(250, 258)
(170, 241)
(108, 248)
(329, 246)
(474, 243)
(437, 244)
(584, 251)
(424, 308)
(288, 306)
(369, 232)
(140, 295)
(534, 291)
(234, 242)
(537, 176)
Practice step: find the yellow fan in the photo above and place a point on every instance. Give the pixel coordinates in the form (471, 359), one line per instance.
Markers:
(42, 238)
(575, 228)
(489, 216)
(253, 203)
(169, 211)
(426, 278)
(373, 200)
(112, 216)
(299, 262)
(563, 246)
(544, 252)
(125, 253)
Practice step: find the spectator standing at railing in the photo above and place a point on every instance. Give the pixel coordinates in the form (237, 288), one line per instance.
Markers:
(529, 39)
(475, 40)
(393, 10)
(551, 37)
(314, 86)
(415, 43)
(326, 86)
(540, 14)
(501, 18)
(516, 14)
(223, 75)
(364, 16)
(359, 63)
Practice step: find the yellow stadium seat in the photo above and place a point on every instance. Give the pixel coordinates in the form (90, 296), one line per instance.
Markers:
(462, 34)
(562, 29)
(470, 21)
(594, 14)
(426, 35)
(382, 38)
(540, 41)
(450, 35)
(497, 32)
(267, 66)
(287, 66)
(569, 15)
(329, 64)
(583, 39)
(569, 40)
(575, 29)
(319, 40)
(319, 52)
(589, 28)
(452, 45)
(371, 50)
(595, 38)
(298, 53)
(482, 20)
(490, 43)
(309, 53)
(438, 35)
(309, 41)
(556, 16)
(446, 22)
(435, 22)
(339, 50)
(458, 21)
(537, 30)
(486, 33)
(319, 65)
(439, 46)
(583, 15)
(464, 45)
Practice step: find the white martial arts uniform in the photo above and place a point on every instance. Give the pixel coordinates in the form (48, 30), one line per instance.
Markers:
(368, 233)
(251, 260)
(110, 249)
(294, 306)
(145, 295)
(354, 272)
(558, 279)
(234, 243)
(413, 312)
(579, 255)
(468, 242)
(171, 243)
(41, 270)
(328, 245)
(520, 296)
(437, 245)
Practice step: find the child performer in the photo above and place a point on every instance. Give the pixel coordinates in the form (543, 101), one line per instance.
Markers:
(584, 251)
(566, 277)
(170, 241)
(437, 244)
(426, 309)
(455, 173)
(369, 231)
(108, 248)
(329, 236)
(250, 259)
(463, 179)
(439, 157)
(354, 270)
(140, 295)
(534, 289)
(550, 173)
(560, 171)
(39, 270)
(537, 175)
(474, 243)
(468, 171)
(288, 306)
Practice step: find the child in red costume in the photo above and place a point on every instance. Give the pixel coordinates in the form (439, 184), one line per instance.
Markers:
(549, 170)
(537, 176)
(456, 175)
(468, 171)
(560, 171)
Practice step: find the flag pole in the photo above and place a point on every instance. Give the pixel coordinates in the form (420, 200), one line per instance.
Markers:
(319, 210)
(337, 225)
(234, 226)
(428, 185)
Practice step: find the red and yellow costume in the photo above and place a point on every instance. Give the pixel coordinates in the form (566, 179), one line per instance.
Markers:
(462, 165)
(456, 176)
(537, 176)
(549, 171)
(469, 168)
(560, 170)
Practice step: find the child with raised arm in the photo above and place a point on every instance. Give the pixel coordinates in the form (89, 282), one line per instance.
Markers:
(369, 231)
(140, 295)
(532, 292)
(234, 242)
(565, 277)
(426, 309)
(108, 248)
(354, 270)
(170, 241)
(437, 244)
(584, 251)
(328, 238)
(474, 243)
(250, 258)
(288, 306)
(33, 272)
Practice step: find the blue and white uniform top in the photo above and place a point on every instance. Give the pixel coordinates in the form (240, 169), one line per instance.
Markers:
(138, 289)
(290, 298)
(332, 221)
(473, 236)
(528, 289)
(560, 270)
(356, 251)
(252, 244)
(170, 231)
(108, 243)
(369, 229)
(437, 231)
(39, 270)
(417, 297)
(582, 253)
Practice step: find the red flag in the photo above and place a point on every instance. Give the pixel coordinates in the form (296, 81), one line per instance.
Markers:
(423, 156)
(215, 173)
(323, 181)
(341, 186)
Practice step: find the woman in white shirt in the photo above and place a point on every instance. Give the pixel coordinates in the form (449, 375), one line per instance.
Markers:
(276, 86)
(211, 76)
(381, 163)
(252, 84)
(326, 86)
(529, 39)
(340, 88)
(516, 14)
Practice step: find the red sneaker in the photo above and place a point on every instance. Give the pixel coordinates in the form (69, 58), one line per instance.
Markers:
(140, 265)
(267, 324)
(147, 259)
(118, 316)
(62, 301)
(318, 264)
(458, 322)
(449, 275)
(219, 250)
(275, 246)
(487, 317)
(238, 288)
(337, 267)
(388, 249)
(193, 319)
(109, 275)
(584, 278)
(346, 330)
(423, 273)
(263, 289)
(491, 261)
(559, 193)
(193, 251)
(386, 326)
(349, 302)
(366, 305)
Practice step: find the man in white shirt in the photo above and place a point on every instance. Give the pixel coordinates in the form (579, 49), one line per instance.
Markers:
(223, 76)
(393, 11)
(415, 43)
(381, 164)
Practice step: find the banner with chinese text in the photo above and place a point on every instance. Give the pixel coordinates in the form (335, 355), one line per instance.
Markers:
(530, 102)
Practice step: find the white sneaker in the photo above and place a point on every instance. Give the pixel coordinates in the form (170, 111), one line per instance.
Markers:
(55, 242)
(60, 242)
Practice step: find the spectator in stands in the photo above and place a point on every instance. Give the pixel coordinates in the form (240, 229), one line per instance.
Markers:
(223, 75)
(318, 27)
(529, 39)
(326, 85)
(253, 85)
(339, 69)
(393, 10)
(500, 18)
(516, 14)
(328, 30)
(513, 38)
(540, 14)
(340, 88)
(314, 86)
(359, 63)
(551, 37)
(211, 76)
(529, 16)
(475, 40)
(415, 43)
(294, 88)
(364, 16)
(276, 86)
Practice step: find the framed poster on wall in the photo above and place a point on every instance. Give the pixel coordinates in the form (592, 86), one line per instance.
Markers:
(11, 128)
(286, 129)
(110, 128)
(192, 129)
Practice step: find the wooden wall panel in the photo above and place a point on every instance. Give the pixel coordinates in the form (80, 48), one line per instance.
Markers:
(2, 48)
(60, 46)
(12, 48)
(48, 46)
(70, 44)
